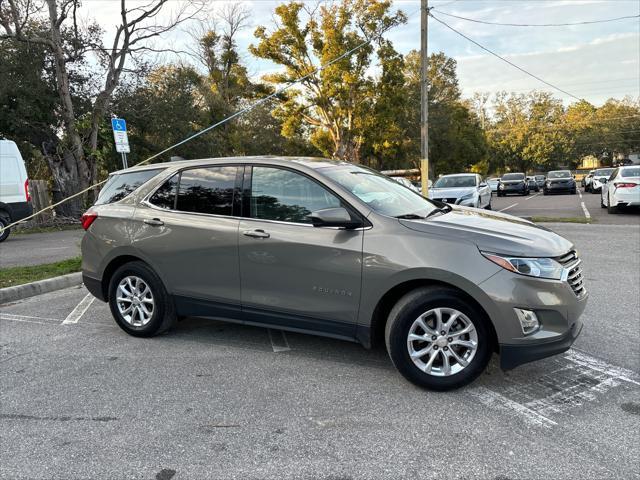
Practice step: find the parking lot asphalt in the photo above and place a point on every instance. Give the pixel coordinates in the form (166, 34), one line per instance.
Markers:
(38, 248)
(81, 399)
(577, 206)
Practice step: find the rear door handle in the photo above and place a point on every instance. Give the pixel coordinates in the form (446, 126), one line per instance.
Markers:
(256, 234)
(154, 222)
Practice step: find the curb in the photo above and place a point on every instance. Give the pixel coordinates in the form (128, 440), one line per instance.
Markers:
(11, 294)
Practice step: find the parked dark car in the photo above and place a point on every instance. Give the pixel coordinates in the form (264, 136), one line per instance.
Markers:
(513, 183)
(560, 181)
(540, 179)
(533, 184)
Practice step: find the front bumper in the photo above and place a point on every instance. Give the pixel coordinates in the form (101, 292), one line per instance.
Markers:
(513, 189)
(563, 187)
(513, 355)
(556, 305)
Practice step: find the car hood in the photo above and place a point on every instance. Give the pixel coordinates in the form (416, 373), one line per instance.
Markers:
(556, 180)
(450, 192)
(494, 232)
(511, 182)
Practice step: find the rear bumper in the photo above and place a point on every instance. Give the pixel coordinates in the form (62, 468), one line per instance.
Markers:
(513, 355)
(94, 286)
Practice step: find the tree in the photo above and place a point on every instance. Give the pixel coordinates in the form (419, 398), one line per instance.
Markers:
(332, 103)
(73, 160)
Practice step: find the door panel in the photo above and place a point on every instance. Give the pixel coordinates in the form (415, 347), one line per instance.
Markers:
(299, 269)
(310, 275)
(195, 255)
(195, 250)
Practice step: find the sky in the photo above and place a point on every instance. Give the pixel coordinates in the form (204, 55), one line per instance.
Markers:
(592, 62)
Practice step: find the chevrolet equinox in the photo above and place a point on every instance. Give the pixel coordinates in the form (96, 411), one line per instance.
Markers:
(330, 248)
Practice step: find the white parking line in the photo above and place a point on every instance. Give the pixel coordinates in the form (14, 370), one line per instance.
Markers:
(22, 320)
(531, 196)
(279, 341)
(80, 310)
(494, 399)
(29, 317)
(507, 208)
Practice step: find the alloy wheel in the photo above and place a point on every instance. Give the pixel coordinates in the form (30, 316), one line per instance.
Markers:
(135, 301)
(442, 342)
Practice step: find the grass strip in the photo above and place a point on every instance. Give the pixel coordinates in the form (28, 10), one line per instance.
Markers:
(12, 276)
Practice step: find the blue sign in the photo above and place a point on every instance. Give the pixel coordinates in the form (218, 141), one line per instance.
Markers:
(119, 124)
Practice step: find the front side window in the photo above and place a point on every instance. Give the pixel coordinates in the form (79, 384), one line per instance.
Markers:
(286, 196)
(121, 185)
(207, 190)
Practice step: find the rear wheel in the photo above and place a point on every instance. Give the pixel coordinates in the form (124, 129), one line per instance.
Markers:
(602, 205)
(4, 221)
(437, 340)
(611, 208)
(139, 302)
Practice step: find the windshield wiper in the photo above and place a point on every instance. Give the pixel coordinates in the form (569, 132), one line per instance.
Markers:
(410, 216)
(444, 209)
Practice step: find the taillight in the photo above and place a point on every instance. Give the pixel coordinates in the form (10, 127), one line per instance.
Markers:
(625, 185)
(26, 190)
(87, 219)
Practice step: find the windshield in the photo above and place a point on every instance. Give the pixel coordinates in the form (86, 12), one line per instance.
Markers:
(455, 182)
(539, 177)
(604, 172)
(559, 174)
(513, 176)
(630, 172)
(383, 194)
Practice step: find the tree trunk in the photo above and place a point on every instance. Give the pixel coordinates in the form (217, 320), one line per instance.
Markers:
(67, 181)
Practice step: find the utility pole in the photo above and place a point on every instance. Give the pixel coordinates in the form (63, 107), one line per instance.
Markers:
(424, 97)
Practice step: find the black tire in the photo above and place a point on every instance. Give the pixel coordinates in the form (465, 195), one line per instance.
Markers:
(408, 309)
(163, 316)
(611, 209)
(4, 221)
(573, 192)
(544, 192)
(489, 207)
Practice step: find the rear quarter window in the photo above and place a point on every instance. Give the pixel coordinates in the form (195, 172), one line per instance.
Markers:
(121, 185)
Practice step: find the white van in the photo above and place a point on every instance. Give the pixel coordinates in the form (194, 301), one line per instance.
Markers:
(15, 201)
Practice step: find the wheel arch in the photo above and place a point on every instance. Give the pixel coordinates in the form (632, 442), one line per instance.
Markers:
(113, 265)
(374, 335)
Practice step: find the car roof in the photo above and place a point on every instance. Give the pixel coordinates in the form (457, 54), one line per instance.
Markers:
(459, 174)
(312, 162)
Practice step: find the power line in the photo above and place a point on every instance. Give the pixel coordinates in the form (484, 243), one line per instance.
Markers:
(589, 22)
(504, 59)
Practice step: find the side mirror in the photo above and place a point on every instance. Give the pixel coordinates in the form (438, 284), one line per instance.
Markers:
(334, 217)
(605, 180)
(483, 184)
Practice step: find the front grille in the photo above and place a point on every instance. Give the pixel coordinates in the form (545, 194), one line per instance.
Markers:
(571, 263)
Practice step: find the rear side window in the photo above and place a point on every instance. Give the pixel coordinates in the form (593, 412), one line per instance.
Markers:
(207, 190)
(165, 196)
(630, 172)
(121, 185)
(287, 196)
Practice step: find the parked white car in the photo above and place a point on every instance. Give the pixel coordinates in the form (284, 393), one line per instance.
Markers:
(621, 189)
(599, 176)
(468, 189)
(15, 202)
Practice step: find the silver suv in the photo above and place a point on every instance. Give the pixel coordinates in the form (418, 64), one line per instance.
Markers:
(334, 249)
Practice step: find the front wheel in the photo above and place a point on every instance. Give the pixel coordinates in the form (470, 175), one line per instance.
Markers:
(4, 221)
(437, 340)
(139, 302)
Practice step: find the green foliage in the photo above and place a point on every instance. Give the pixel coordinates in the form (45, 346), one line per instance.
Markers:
(12, 276)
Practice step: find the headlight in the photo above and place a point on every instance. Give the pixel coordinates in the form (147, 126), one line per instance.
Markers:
(532, 267)
(501, 186)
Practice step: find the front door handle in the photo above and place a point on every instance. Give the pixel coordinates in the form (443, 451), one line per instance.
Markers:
(154, 222)
(256, 234)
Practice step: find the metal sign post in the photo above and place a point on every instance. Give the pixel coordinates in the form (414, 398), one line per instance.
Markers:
(119, 126)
